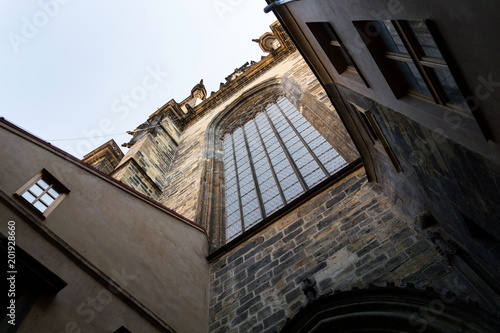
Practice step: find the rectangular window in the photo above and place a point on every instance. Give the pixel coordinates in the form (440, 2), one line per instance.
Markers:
(43, 192)
(377, 136)
(411, 61)
(335, 50)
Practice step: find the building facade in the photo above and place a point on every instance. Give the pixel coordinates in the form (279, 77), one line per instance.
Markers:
(307, 216)
(89, 254)
(420, 103)
(278, 248)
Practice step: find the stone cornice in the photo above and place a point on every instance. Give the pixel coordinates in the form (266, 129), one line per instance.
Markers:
(250, 75)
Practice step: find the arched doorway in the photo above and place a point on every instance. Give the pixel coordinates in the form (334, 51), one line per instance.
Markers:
(390, 310)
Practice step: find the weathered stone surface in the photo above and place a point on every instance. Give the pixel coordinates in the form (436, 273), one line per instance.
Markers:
(383, 248)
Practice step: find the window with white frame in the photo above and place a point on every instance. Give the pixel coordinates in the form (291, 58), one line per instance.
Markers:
(271, 160)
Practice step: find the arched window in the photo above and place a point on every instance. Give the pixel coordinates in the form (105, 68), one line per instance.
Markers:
(261, 145)
(269, 161)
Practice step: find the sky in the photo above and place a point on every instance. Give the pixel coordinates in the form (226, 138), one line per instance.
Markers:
(78, 73)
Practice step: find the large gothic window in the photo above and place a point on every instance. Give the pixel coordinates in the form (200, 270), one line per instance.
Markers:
(269, 161)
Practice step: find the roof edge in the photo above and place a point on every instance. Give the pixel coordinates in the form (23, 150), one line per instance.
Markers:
(47, 145)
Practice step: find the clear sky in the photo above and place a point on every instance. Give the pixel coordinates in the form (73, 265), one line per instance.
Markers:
(67, 66)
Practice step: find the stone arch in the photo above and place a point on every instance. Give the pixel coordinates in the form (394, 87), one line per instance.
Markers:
(211, 203)
(390, 309)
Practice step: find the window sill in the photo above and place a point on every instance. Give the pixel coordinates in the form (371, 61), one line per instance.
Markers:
(355, 165)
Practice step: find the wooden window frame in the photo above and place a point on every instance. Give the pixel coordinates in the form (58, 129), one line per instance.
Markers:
(379, 141)
(423, 63)
(336, 51)
(53, 183)
(387, 62)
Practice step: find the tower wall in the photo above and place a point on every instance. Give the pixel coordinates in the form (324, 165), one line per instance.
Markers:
(348, 236)
(186, 174)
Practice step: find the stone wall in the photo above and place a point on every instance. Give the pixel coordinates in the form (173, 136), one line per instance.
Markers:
(350, 235)
(133, 175)
(184, 177)
(459, 187)
(297, 80)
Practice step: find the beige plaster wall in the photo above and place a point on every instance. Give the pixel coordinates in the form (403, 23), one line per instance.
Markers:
(114, 230)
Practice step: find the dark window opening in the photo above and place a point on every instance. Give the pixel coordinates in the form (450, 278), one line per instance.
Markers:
(478, 233)
(335, 50)
(373, 129)
(411, 61)
(32, 280)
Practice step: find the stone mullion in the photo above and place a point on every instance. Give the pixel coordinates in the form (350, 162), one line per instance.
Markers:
(254, 175)
(322, 167)
(282, 195)
(237, 185)
(287, 154)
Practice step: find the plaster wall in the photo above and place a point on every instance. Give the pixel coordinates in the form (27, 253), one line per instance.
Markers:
(113, 228)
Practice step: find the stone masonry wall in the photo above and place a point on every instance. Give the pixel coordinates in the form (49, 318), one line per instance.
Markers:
(184, 177)
(459, 187)
(347, 236)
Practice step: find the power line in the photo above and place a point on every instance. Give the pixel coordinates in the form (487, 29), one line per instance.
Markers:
(105, 136)
(88, 137)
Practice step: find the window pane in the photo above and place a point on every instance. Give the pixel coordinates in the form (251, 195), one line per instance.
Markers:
(40, 206)
(233, 231)
(53, 193)
(252, 219)
(28, 196)
(43, 184)
(233, 218)
(293, 192)
(315, 177)
(270, 143)
(427, 44)
(333, 165)
(413, 78)
(36, 190)
(47, 199)
(390, 37)
(450, 88)
(273, 205)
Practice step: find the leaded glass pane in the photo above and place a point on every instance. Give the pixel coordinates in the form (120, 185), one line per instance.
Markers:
(335, 164)
(315, 177)
(272, 151)
(273, 204)
(293, 192)
(233, 230)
